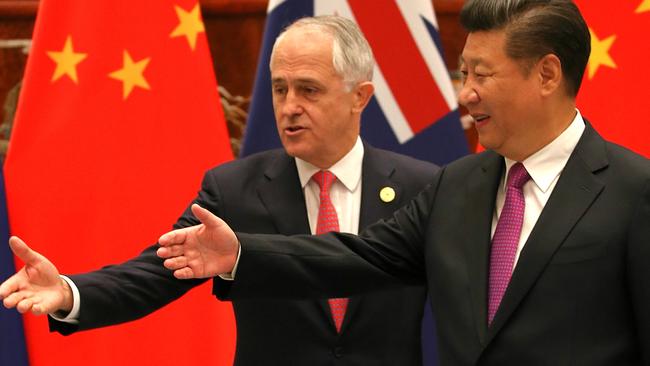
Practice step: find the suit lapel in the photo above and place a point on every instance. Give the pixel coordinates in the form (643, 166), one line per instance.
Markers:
(479, 207)
(281, 194)
(575, 191)
(376, 174)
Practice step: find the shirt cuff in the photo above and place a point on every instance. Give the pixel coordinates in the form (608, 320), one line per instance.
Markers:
(73, 316)
(231, 276)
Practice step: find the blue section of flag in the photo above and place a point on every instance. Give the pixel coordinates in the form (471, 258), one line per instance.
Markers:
(261, 133)
(12, 337)
(440, 143)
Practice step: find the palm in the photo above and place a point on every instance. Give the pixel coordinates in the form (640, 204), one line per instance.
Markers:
(200, 251)
(205, 258)
(42, 279)
(36, 287)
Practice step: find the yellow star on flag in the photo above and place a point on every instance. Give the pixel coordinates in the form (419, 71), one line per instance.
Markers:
(131, 74)
(600, 53)
(66, 61)
(645, 6)
(190, 24)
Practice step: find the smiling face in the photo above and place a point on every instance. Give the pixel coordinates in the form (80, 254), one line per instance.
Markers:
(317, 118)
(505, 99)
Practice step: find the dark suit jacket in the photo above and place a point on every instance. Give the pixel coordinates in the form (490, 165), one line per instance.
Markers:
(262, 193)
(579, 295)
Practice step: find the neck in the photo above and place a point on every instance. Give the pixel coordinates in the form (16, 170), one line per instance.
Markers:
(550, 126)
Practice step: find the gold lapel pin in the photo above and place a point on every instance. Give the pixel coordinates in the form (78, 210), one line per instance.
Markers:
(387, 194)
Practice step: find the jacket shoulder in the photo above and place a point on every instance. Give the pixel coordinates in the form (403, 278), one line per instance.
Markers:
(252, 164)
(402, 163)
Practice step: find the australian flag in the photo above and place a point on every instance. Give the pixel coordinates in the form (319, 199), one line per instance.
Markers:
(12, 338)
(414, 110)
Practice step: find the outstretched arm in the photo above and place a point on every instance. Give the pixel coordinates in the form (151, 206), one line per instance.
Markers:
(37, 287)
(201, 251)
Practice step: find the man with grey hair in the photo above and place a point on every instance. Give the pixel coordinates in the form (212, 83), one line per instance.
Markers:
(321, 70)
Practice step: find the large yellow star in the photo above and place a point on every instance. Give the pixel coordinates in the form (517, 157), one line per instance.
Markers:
(131, 74)
(600, 53)
(66, 61)
(645, 6)
(190, 24)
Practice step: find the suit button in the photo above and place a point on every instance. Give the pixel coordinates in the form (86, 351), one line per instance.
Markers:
(338, 352)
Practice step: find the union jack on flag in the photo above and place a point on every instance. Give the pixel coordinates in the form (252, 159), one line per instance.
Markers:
(414, 110)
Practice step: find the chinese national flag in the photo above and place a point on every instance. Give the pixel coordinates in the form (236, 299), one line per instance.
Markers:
(118, 119)
(614, 93)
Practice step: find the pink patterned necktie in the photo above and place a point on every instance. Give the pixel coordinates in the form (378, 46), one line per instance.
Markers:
(329, 221)
(506, 237)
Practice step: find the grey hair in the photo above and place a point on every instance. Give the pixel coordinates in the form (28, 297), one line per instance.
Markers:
(351, 54)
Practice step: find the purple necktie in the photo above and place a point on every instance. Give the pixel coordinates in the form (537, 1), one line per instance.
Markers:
(328, 221)
(506, 237)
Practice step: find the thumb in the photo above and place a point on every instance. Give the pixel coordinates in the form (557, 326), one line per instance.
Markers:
(22, 251)
(206, 217)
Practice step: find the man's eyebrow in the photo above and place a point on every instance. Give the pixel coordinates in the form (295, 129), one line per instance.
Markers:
(471, 60)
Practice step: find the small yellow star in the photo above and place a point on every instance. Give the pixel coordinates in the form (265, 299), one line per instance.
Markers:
(66, 61)
(131, 74)
(645, 6)
(190, 24)
(600, 53)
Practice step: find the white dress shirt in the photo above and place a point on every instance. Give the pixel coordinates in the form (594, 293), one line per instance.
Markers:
(544, 168)
(345, 192)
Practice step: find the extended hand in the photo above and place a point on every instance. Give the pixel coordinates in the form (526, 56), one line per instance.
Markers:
(37, 287)
(200, 251)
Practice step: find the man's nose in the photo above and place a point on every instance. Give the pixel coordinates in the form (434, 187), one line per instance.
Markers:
(292, 104)
(467, 95)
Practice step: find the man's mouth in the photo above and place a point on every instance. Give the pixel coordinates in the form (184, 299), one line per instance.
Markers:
(480, 119)
(292, 130)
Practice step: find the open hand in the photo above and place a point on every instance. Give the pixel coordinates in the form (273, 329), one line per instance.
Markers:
(205, 250)
(37, 287)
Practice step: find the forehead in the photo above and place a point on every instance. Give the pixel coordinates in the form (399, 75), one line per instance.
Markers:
(484, 48)
(303, 53)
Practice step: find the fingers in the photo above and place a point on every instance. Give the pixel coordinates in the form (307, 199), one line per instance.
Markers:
(173, 238)
(10, 286)
(169, 252)
(10, 301)
(22, 251)
(175, 263)
(25, 301)
(206, 217)
(25, 305)
(184, 273)
(180, 268)
(15, 298)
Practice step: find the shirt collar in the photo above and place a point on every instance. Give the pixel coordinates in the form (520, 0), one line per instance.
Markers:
(547, 163)
(347, 170)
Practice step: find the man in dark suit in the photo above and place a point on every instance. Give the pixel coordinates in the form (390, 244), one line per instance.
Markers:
(318, 107)
(534, 252)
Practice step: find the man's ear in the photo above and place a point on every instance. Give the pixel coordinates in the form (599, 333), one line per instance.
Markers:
(362, 94)
(549, 71)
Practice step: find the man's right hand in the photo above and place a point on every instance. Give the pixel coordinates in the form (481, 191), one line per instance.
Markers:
(201, 251)
(37, 287)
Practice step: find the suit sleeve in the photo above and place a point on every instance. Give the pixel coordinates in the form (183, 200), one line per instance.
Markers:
(128, 291)
(639, 271)
(388, 253)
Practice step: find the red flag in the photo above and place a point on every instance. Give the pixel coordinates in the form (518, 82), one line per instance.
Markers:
(614, 91)
(118, 119)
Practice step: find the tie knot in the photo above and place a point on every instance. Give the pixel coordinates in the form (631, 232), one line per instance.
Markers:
(518, 176)
(324, 179)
